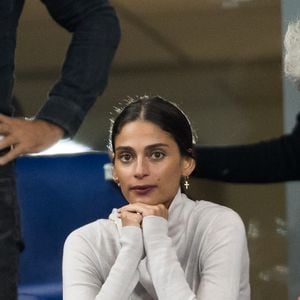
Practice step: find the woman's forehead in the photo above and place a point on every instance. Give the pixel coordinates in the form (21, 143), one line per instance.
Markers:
(143, 133)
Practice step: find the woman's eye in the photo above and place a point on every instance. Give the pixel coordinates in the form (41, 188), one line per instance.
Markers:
(157, 155)
(125, 157)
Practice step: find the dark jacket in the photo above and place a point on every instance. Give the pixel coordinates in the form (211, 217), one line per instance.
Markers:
(95, 37)
(275, 160)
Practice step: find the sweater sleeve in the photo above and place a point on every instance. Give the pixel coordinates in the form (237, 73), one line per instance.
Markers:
(224, 260)
(82, 278)
(273, 160)
(223, 263)
(167, 275)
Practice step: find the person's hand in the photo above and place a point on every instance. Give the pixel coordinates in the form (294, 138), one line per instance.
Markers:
(140, 210)
(26, 136)
(130, 217)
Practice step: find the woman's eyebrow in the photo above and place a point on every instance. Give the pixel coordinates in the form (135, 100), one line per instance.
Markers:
(152, 146)
(157, 146)
(124, 148)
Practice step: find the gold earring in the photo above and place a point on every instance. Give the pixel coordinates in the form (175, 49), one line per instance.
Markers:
(116, 180)
(186, 182)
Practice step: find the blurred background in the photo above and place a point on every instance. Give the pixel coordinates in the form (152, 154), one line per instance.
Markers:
(221, 62)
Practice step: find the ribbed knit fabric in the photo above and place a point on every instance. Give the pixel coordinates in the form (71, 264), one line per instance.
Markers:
(200, 252)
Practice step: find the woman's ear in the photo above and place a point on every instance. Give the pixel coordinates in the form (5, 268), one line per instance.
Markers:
(115, 176)
(188, 165)
(113, 171)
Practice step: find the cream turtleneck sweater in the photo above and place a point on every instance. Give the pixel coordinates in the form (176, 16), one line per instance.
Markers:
(200, 252)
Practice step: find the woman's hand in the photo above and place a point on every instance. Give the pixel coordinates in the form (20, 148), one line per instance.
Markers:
(132, 214)
(130, 217)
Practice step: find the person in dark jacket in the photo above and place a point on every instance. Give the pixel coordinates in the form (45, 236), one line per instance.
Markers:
(95, 36)
(274, 160)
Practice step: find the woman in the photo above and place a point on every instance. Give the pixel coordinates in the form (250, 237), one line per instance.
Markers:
(162, 245)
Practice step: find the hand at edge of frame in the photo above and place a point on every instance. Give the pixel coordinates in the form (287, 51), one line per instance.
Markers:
(26, 136)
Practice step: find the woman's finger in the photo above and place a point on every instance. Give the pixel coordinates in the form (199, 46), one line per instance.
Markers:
(146, 209)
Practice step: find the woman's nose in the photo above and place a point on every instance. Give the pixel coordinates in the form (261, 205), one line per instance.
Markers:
(141, 168)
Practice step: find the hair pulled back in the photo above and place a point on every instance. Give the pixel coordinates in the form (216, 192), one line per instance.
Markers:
(165, 114)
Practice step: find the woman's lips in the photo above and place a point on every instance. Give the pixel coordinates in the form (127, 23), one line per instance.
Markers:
(142, 190)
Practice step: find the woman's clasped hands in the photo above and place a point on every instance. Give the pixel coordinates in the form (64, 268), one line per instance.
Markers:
(133, 214)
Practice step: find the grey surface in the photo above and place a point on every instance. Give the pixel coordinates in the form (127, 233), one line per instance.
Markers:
(291, 11)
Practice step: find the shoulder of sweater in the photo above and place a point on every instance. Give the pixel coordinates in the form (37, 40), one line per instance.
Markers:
(209, 211)
(210, 220)
(94, 231)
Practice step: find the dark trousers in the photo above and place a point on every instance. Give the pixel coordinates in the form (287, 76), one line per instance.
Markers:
(9, 234)
(10, 11)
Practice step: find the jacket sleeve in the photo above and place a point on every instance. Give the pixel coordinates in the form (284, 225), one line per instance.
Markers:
(95, 36)
(269, 161)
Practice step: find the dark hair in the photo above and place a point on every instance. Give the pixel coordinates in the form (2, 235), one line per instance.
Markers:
(165, 114)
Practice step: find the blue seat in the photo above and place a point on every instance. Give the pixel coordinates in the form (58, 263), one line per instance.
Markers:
(57, 194)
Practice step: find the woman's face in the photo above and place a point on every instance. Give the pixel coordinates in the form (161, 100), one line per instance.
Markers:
(148, 164)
